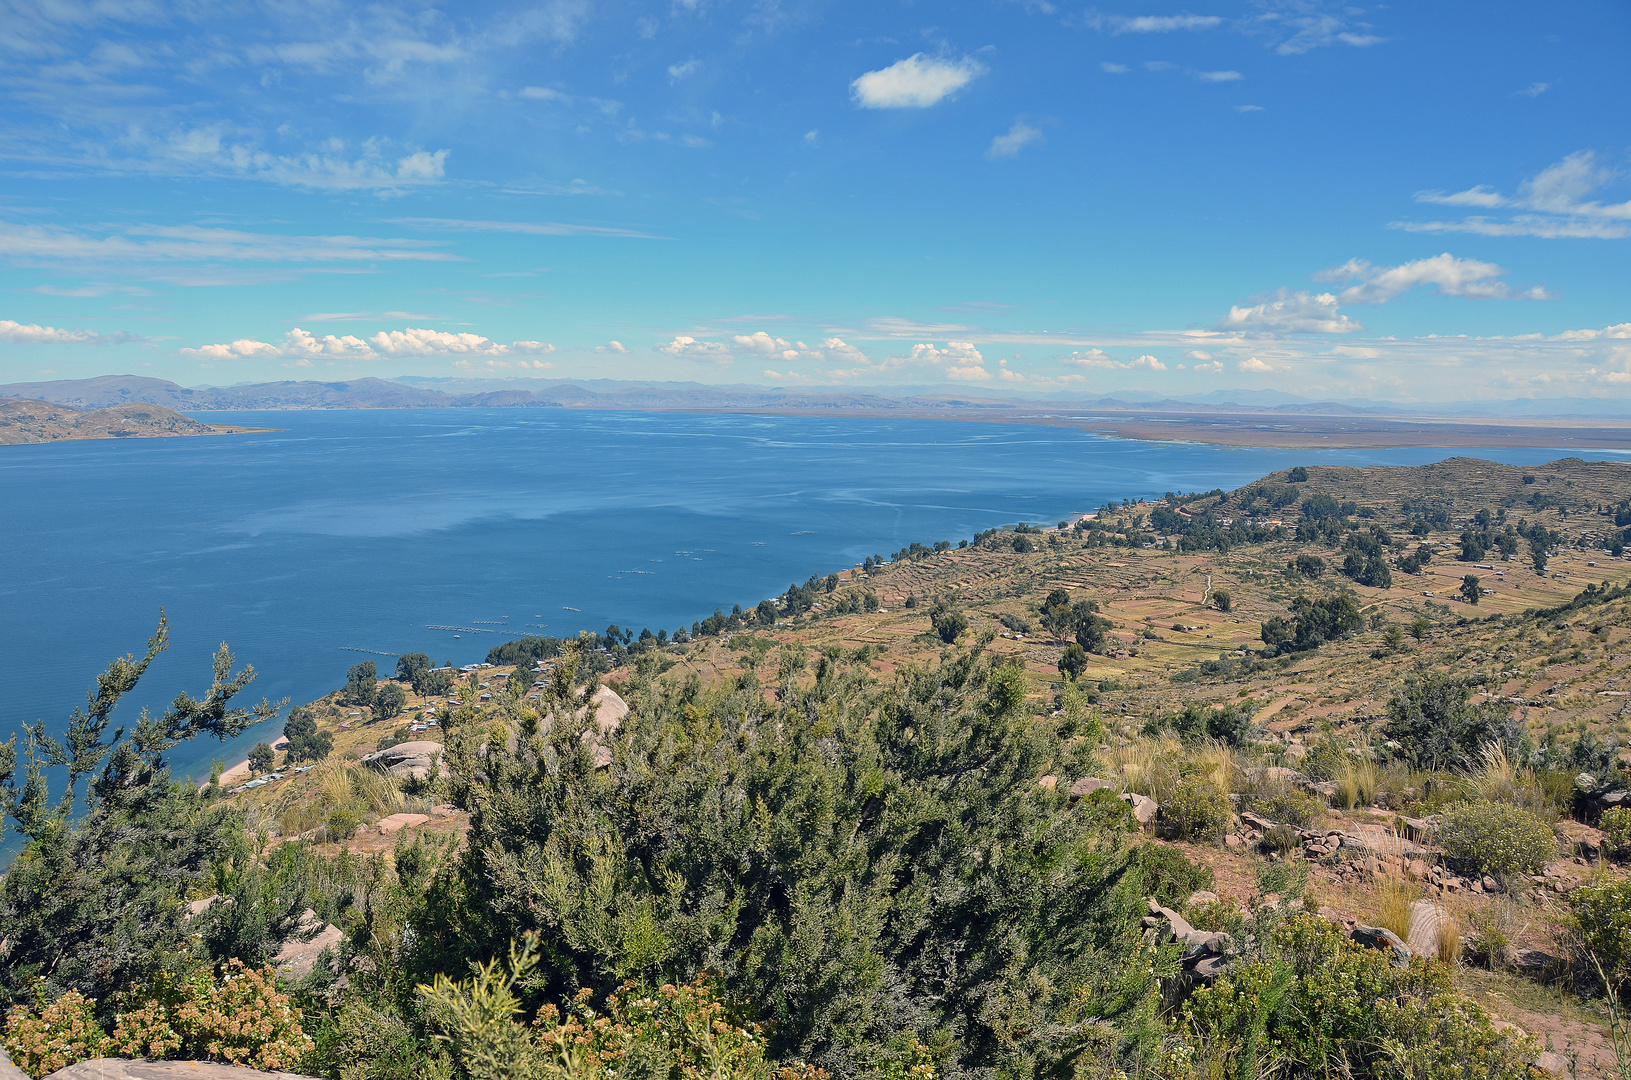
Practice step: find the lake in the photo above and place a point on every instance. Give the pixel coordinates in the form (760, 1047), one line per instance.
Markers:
(352, 535)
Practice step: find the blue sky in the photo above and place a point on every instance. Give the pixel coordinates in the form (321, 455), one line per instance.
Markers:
(1423, 202)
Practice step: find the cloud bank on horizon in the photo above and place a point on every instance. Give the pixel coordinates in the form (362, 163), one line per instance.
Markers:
(1325, 198)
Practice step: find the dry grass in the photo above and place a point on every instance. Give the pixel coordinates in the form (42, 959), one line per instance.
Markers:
(1499, 779)
(1357, 783)
(1157, 766)
(1394, 895)
(340, 786)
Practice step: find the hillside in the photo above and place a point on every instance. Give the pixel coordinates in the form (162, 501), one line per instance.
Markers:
(24, 421)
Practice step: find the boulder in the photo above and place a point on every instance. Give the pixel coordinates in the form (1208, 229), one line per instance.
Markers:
(1202, 896)
(1427, 921)
(1145, 809)
(296, 959)
(398, 822)
(1257, 821)
(417, 761)
(8, 1071)
(1583, 840)
(1377, 937)
(141, 1069)
(1087, 785)
(1550, 1061)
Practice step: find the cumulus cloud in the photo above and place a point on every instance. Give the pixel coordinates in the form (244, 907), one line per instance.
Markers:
(1453, 277)
(611, 347)
(916, 82)
(1101, 360)
(1197, 354)
(1287, 311)
(689, 348)
(16, 333)
(676, 72)
(301, 344)
(1018, 138)
(1213, 368)
(1253, 366)
(1555, 203)
(1219, 76)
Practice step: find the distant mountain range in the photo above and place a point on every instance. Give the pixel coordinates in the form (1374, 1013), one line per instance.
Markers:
(419, 392)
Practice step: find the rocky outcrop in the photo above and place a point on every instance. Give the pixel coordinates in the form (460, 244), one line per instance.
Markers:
(1204, 950)
(299, 954)
(1428, 922)
(416, 761)
(1378, 937)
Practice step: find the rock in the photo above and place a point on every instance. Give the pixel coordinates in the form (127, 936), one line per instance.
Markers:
(1257, 821)
(609, 713)
(1145, 809)
(1234, 841)
(1418, 830)
(126, 1069)
(1490, 884)
(398, 822)
(1048, 783)
(8, 1071)
(417, 761)
(195, 908)
(297, 957)
(1202, 896)
(1377, 937)
(1475, 886)
(1550, 1061)
(1209, 969)
(1427, 921)
(1583, 839)
(1175, 922)
(1416, 868)
(1201, 943)
(1325, 789)
(1086, 785)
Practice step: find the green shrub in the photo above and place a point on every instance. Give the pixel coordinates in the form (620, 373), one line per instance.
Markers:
(1169, 877)
(1313, 1004)
(1600, 918)
(1616, 826)
(1296, 808)
(363, 1043)
(1196, 810)
(1490, 838)
(1217, 915)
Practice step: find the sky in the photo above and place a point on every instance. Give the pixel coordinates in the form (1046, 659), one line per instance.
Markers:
(1426, 202)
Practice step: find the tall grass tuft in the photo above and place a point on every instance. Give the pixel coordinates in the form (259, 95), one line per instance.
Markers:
(1394, 895)
(1357, 783)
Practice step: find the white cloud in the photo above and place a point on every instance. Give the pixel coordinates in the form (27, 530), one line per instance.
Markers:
(1290, 312)
(1101, 360)
(1197, 354)
(302, 344)
(1213, 368)
(1620, 330)
(1534, 90)
(543, 93)
(503, 365)
(611, 347)
(1019, 136)
(1114, 69)
(1248, 108)
(196, 243)
(1151, 24)
(1355, 352)
(916, 82)
(1454, 277)
(16, 333)
(1252, 365)
(676, 72)
(525, 228)
(1219, 76)
(1300, 26)
(689, 348)
(1554, 203)
(968, 373)
(812, 137)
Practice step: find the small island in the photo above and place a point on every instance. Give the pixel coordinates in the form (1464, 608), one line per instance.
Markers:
(26, 420)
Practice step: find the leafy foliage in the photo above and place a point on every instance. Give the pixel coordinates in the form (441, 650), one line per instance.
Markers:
(1437, 727)
(1312, 624)
(1494, 838)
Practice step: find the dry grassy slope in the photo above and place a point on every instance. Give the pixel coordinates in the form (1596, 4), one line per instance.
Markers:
(1462, 485)
(27, 421)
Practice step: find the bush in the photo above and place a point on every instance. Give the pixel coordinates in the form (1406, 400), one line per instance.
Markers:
(53, 1035)
(1489, 838)
(1313, 1004)
(1168, 876)
(1600, 918)
(1616, 826)
(1222, 600)
(1295, 808)
(240, 1017)
(1197, 810)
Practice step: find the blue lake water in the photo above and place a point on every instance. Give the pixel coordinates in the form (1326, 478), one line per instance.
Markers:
(360, 530)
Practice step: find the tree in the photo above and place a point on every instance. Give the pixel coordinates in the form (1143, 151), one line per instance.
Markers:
(389, 700)
(1222, 600)
(1055, 614)
(1073, 661)
(410, 665)
(1470, 589)
(1309, 566)
(1419, 627)
(1087, 625)
(1437, 727)
(95, 903)
(360, 684)
(306, 743)
(948, 622)
(1297, 475)
(1537, 553)
(1312, 624)
(261, 759)
(432, 682)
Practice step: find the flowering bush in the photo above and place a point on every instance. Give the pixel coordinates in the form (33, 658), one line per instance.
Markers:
(1494, 838)
(53, 1035)
(242, 1018)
